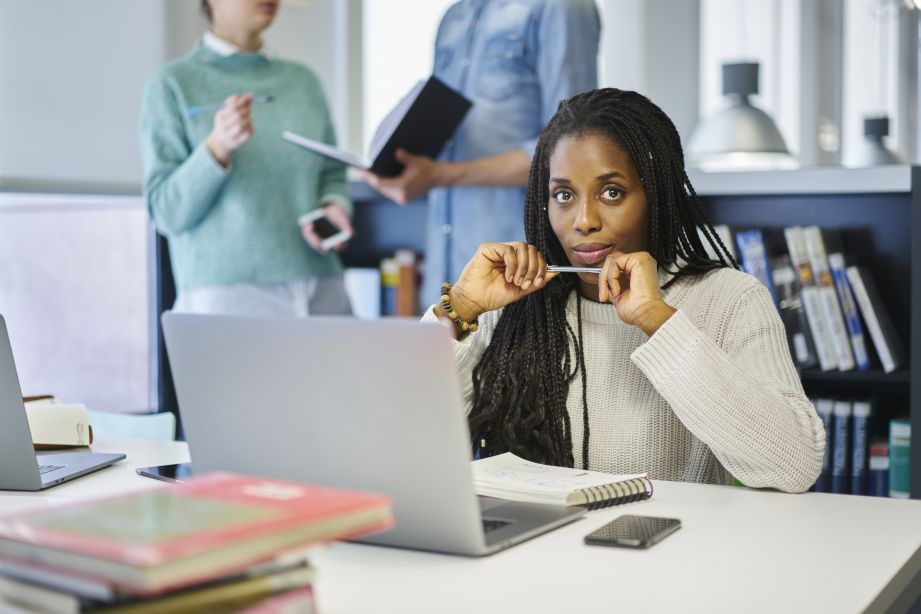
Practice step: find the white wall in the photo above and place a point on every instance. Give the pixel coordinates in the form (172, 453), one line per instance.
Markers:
(651, 46)
(72, 75)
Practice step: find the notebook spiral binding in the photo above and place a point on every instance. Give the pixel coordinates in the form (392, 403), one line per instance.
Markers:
(617, 493)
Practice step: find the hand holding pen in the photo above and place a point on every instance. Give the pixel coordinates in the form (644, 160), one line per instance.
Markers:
(498, 274)
(233, 126)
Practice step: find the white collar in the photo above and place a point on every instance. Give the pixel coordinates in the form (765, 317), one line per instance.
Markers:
(224, 47)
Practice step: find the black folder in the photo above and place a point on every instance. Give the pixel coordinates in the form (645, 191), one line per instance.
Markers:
(421, 123)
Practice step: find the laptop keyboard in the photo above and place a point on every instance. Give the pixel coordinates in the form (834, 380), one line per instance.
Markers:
(491, 524)
(46, 468)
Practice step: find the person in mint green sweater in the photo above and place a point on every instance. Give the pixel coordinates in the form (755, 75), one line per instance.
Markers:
(223, 186)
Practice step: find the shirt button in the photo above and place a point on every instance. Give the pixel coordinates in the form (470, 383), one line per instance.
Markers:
(446, 229)
(465, 62)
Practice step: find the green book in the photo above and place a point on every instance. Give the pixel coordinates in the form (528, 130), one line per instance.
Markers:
(900, 459)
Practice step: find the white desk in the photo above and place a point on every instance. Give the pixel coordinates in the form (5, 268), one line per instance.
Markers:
(739, 550)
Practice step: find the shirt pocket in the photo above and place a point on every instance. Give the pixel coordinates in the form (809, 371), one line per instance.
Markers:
(504, 69)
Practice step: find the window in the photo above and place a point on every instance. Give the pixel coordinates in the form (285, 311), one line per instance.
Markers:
(395, 57)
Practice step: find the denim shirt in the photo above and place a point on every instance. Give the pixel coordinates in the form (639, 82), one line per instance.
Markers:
(515, 59)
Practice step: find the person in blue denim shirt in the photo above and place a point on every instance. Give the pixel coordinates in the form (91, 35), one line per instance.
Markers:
(516, 60)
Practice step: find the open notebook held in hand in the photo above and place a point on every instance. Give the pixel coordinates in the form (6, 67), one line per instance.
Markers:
(507, 476)
(421, 123)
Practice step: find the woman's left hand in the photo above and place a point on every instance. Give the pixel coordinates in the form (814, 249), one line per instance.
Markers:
(630, 282)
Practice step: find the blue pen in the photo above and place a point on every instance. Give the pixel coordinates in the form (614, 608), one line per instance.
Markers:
(207, 108)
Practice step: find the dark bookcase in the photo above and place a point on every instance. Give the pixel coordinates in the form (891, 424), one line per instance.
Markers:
(878, 214)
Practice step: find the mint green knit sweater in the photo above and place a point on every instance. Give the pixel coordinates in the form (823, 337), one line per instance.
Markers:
(237, 225)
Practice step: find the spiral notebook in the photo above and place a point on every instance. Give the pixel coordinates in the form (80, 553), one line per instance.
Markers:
(507, 476)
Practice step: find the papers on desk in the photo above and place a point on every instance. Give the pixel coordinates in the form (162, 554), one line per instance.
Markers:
(507, 476)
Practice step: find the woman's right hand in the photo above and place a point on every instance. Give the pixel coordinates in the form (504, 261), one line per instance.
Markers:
(233, 126)
(498, 274)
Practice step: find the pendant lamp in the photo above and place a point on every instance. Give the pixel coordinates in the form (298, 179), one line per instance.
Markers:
(741, 136)
(874, 152)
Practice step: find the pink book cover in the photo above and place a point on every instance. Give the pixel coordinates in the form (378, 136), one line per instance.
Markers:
(153, 527)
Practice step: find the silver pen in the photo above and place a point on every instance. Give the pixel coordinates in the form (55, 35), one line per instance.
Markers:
(555, 268)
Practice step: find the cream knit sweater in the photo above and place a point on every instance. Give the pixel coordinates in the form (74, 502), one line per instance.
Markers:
(711, 395)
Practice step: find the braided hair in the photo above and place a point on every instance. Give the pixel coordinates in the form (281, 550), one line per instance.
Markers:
(521, 383)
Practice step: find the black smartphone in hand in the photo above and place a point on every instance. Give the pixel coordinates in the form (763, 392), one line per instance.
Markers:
(633, 531)
(330, 234)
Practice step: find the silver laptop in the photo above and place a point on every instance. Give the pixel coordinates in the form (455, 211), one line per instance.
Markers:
(20, 467)
(371, 405)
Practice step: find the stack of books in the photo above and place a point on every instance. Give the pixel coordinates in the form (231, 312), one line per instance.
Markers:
(220, 542)
(866, 453)
(832, 308)
(391, 290)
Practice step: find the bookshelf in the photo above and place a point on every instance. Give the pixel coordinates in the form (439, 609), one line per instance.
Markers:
(878, 212)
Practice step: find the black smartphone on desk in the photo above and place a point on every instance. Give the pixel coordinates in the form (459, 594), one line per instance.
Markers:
(167, 473)
(633, 531)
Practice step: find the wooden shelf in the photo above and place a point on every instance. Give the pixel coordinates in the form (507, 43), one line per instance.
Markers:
(902, 377)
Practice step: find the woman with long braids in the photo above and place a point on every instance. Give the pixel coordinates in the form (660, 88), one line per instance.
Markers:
(667, 361)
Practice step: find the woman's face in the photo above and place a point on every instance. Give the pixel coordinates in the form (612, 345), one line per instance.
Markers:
(597, 202)
(252, 16)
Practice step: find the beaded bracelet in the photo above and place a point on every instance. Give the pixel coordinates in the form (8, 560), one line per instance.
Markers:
(464, 326)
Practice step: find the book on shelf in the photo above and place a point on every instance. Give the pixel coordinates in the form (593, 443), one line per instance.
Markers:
(183, 534)
(879, 469)
(840, 454)
(825, 410)
(836, 263)
(390, 279)
(860, 443)
(56, 425)
(399, 282)
(789, 302)
(506, 476)
(900, 459)
(753, 258)
(363, 286)
(421, 123)
(406, 282)
(828, 295)
(812, 302)
(876, 317)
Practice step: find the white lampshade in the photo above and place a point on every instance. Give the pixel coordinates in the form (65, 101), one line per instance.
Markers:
(874, 152)
(741, 136)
